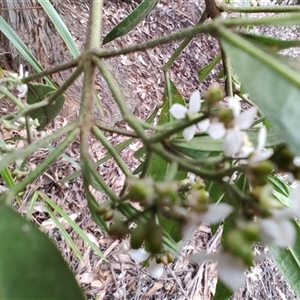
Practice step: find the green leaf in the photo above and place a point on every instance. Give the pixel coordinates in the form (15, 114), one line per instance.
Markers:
(131, 21)
(288, 262)
(171, 227)
(204, 72)
(271, 84)
(38, 92)
(271, 42)
(222, 292)
(75, 227)
(31, 267)
(203, 143)
(60, 26)
(159, 166)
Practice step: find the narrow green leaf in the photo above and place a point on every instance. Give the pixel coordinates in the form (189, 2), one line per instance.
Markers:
(77, 229)
(271, 42)
(204, 72)
(60, 26)
(288, 262)
(131, 21)
(31, 267)
(93, 205)
(203, 143)
(38, 92)
(222, 292)
(64, 233)
(271, 84)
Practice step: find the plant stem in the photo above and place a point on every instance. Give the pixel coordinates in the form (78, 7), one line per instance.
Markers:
(183, 44)
(12, 97)
(12, 157)
(259, 9)
(115, 90)
(147, 163)
(44, 165)
(178, 126)
(68, 65)
(123, 132)
(111, 150)
(190, 32)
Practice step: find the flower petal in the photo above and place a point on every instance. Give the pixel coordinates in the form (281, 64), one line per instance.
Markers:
(246, 118)
(21, 71)
(280, 232)
(216, 213)
(234, 105)
(262, 137)
(231, 271)
(156, 270)
(203, 125)
(232, 142)
(216, 130)
(295, 201)
(139, 255)
(195, 104)
(189, 132)
(22, 88)
(178, 111)
(261, 155)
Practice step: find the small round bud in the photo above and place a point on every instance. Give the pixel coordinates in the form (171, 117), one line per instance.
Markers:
(251, 232)
(103, 208)
(141, 190)
(170, 256)
(214, 94)
(118, 229)
(167, 193)
(108, 216)
(226, 116)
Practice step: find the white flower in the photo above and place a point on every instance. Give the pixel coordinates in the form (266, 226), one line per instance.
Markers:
(233, 136)
(259, 153)
(178, 111)
(140, 255)
(22, 88)
(215, 213)
(230, 268)
(279, 229)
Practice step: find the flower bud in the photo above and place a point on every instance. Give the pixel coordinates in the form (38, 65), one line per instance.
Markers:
(236, 243)
(103, 208)
(161, 259)
(138, 236)
(251, 232)
(118, 229)
(226, 116)
(108, 216)
(198, 199)
(167, 193)
(141, 190)
(260, 171)
(170, 256)
(154, 238)
(214, 94)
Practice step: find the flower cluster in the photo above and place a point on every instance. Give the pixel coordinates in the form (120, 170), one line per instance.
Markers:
(264, 219)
